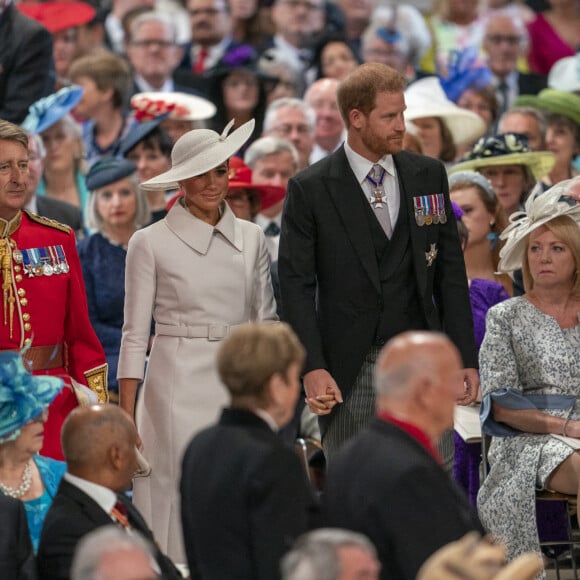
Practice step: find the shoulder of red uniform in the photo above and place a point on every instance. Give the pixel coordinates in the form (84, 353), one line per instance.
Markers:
(48, 222)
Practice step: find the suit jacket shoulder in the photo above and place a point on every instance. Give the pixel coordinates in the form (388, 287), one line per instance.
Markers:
(60, 211)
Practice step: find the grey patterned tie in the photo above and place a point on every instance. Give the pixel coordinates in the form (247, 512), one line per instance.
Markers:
(378, 198)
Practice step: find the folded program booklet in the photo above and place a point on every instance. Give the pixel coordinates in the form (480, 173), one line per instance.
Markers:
(467, 423)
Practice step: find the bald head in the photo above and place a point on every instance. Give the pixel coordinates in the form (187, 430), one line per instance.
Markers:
(418, 376)
(95, 438)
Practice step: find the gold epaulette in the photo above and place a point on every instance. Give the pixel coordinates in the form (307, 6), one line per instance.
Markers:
(48, 222)
(97, 382)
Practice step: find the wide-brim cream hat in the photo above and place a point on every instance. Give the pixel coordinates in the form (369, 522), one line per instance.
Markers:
(426, 98)
(539, 210)
(505, 149)
(197, 152)
(565, 74)
(181, 106)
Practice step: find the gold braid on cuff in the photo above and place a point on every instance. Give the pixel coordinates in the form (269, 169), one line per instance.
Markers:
(97, 382)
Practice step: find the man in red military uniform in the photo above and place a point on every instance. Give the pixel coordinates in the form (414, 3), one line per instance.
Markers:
(43, 305)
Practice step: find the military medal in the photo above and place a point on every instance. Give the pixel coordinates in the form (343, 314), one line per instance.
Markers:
(17, 256)
(442, 214)
(64, 268)
(435, 205)
(378, 195)
(419, 212)
(54, 260)
(431, 255)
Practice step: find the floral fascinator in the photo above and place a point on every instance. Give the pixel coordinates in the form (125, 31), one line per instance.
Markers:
(539, 209)
(506, 149)
(22, 395)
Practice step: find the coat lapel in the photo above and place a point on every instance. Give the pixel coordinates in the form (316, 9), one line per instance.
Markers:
(91, 508)
(346, 195)
(412, 183)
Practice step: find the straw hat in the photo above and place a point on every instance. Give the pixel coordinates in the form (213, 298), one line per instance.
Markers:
(181, 106)
(47, 111)
(506, 149)
(426, 98)
(22, 395)
(539, 209)
(198, 151)
(565, 74)
(553, 101)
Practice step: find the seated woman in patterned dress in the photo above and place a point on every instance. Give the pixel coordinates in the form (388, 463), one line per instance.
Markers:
(530, 369)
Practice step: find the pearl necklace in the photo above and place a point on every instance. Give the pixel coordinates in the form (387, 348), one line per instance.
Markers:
(23, 488)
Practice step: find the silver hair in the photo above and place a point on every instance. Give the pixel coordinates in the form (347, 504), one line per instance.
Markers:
(40, 148)
(269, 146)
(153, 16)
(314, 555)
(273, 60)
(94, 221)
(106, 540)
(293, 103)
(530, 112)
(517, 21)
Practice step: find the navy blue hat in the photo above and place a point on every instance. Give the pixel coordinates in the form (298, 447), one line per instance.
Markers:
(108, 170)
(45, 112)
(137, 133)
(22, 395)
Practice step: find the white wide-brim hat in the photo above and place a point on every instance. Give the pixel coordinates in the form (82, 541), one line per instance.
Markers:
(426, 98)
(539, 210)
(181, 106)
(565, 74)
(197, 152)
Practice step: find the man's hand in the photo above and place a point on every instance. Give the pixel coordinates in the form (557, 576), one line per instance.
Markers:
(322, 392)
(471, 382)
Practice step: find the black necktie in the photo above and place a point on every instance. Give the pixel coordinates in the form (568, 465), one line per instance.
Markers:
(272, 230)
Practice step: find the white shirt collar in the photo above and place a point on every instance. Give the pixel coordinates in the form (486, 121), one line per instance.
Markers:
(267, 418)
(167, 87)
(264, 221)
(361, 165)
(106, 498)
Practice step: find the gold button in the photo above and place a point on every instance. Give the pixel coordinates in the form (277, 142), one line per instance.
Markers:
(18, 277)
(27, 341)
(27, 326)
(21, 292)
(24, 301)
(26, 317)
(17, 268)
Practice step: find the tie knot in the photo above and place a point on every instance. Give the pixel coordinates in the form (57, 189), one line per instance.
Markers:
(272, 230)
(121, 508)
(376, 171)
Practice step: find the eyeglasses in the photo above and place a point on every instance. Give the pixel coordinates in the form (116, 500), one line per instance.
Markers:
(205, 12)
(511, 39)
(294, 4)
(150, 43)
(285, 130)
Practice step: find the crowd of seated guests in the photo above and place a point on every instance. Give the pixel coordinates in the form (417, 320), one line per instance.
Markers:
(493, 93)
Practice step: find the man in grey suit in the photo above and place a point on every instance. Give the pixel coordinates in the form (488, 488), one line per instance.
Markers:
(368, 249)
(55, 209)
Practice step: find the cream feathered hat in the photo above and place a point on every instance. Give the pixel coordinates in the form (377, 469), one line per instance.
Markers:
(539, 210)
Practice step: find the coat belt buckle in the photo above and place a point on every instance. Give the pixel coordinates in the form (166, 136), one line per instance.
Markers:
(217, 331)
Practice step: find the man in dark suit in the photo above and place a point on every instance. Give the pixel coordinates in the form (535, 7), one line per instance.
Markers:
(387, 482)
(99, 446)
(55, 209)
(16, 555)
(26, 63)
(353, 273)
(244, 495)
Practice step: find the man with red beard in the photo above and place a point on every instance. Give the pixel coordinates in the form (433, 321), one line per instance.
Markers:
(368, 249)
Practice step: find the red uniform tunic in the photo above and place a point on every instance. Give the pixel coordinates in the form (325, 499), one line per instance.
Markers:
(43, 304)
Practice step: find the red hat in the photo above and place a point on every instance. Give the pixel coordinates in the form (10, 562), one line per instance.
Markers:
(240, 176)
(57, 16)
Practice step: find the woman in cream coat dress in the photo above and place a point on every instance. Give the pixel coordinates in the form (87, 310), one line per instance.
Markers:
(198, 273)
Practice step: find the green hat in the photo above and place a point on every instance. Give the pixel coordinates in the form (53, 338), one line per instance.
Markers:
(553, 101)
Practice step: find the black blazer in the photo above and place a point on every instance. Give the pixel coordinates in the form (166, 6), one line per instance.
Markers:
(16, 555)
(26, 64)
(61, 211)
(384, 484)
(72, 515)
(329, 274)
(244, 499)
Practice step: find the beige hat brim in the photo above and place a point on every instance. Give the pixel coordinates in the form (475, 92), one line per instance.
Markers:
(539, 162)
(198, 151)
